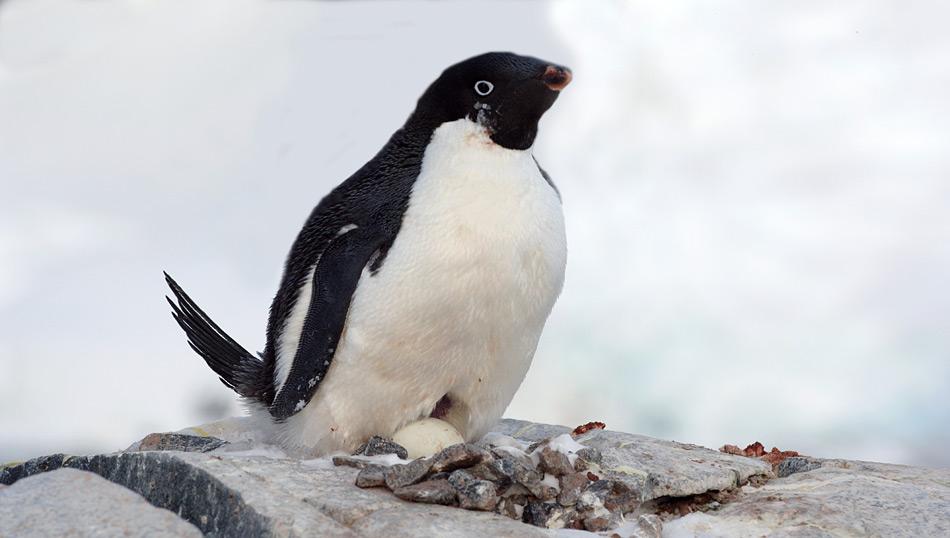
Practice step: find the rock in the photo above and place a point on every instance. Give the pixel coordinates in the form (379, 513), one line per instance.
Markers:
(493, 472)
(67, 502)
(429, 492)
(553, 462)
(458, 457)
(255, 492)
(648, 526)
(798, 464)
(177, 441)
(839, 499)
(377, 446)
(653, 468)
(571, 487)
(616, 495)
(347, 461)
(590, 455)
(371, 476)
(399, 476)
(547, 515)
(477, 495)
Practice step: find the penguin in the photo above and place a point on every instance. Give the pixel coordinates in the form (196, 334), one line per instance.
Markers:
(420, 285)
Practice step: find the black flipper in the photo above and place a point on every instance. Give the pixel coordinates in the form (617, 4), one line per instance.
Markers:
(546, 177)
(237, 368)
(334, 282)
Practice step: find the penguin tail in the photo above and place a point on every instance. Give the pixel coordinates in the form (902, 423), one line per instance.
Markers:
(237, 368)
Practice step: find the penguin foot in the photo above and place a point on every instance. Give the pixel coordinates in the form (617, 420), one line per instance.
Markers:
(442, 407)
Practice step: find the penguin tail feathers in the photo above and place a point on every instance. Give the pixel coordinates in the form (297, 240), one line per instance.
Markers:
(238, 369)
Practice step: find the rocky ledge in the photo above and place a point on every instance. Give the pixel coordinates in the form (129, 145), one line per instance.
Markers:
(215, 481)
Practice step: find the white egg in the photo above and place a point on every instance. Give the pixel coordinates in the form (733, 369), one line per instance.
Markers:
(425, 437)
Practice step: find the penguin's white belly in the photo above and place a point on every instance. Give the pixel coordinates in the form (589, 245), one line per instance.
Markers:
(458, 305)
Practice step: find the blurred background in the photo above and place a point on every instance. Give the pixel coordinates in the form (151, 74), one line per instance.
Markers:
(757, 199)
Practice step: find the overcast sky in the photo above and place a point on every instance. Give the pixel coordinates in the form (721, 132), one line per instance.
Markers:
(757, 200)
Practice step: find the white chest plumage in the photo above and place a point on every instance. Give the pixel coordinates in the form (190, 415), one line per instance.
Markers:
(458, 305)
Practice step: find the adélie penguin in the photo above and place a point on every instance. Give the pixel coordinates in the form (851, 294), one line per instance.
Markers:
(420, 285)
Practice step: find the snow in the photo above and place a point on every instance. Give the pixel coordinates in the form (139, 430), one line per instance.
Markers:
(566, 444)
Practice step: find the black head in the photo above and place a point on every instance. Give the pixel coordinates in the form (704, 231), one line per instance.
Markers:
(504, 92)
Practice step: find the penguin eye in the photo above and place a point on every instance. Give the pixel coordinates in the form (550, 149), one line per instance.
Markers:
(483, 87)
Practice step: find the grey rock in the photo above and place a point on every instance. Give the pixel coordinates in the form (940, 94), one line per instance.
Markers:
(177, 441)
(616, 495)
(67, 502)
(460, 478)
(590, 455)
(377, 446)
(428, 521)
(459, 456)
(347, 461)
(547, 515)
(571, 487)
(648, 526)
(402, 475)
(429, 492)
(790, 466)
(652, 467)
(553, 462)
(493, 471)
(371, 476)
(839, 499)
(477, 495)
(234, 494)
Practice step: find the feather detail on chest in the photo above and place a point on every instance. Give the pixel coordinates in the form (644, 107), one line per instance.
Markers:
(485, 214)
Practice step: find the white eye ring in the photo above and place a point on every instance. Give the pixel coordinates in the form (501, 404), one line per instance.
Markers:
(483, 87)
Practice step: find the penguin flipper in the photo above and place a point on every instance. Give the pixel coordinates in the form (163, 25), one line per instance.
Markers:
(237, 368)
(334, 281)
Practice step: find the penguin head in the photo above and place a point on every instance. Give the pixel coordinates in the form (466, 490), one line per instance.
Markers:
(503, 92)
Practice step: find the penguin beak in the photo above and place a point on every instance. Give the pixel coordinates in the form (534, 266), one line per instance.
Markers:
(556, 77)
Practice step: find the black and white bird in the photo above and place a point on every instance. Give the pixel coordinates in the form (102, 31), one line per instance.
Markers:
(420, 285)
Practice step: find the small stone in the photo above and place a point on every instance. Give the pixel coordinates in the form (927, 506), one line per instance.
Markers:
(178, 441)
(799, 464)
(429, 492)
(510, 508)
(547, 515)
(458, 457)
(554, 462)
(402, 475)
(347, 461)
(590, 455)
(493, 472)
(377, 446)
(571, 487)
(371, 476)
(616, 496)
(478, 495)
(597, 524)
(460, 478)
(649, 526)
(512, 456)
(543, 490)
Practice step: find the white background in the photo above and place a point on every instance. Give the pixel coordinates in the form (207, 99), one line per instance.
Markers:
(756, 194)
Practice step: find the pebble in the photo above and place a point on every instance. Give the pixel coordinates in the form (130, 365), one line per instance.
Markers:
(377, 446)
(478, 495)
(547, 515)
(616, 496)
(371, 476)
(458, 457)
(571, 487)
(429, 492)
(554, 462)
(398, 476)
